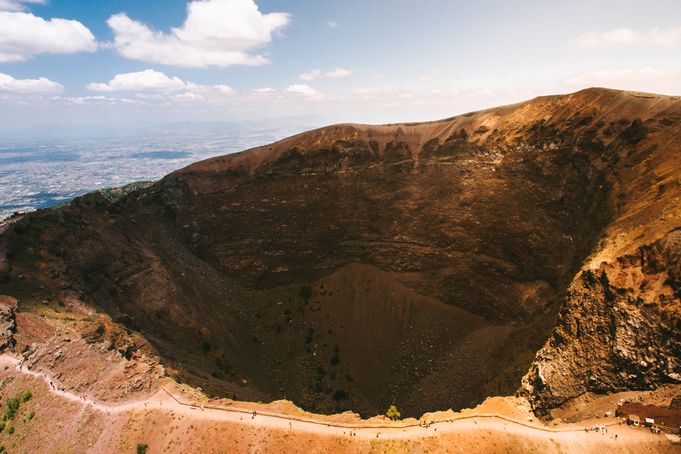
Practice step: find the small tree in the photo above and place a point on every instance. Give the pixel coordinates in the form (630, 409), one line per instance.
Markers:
(11, 410)
(393, 413)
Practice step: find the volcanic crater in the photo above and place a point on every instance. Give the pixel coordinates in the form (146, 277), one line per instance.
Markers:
(353, 267)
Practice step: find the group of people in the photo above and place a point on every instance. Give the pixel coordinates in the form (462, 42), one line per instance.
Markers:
(599, 428)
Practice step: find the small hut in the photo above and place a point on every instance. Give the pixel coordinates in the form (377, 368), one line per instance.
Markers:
(633, 420)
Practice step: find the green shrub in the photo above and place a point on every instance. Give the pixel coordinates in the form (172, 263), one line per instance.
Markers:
(10, 430)
(142, 448)
(335, 359)
(31, 415)
(12, 408)
(305, 292)
(393, 413)
(26, 396)
(340, 394)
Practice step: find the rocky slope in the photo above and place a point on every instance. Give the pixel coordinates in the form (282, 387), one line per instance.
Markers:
(618, 329)
(423, 264)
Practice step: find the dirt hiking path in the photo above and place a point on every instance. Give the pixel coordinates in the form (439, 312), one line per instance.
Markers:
(164, 400)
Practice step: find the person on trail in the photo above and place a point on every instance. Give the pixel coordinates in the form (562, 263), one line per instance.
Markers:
(254, 414)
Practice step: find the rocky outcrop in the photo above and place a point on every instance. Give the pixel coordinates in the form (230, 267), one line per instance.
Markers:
(618, 329)
(8, 325)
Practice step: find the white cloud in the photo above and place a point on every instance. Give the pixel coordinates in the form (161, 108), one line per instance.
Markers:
(264, 90)
(147, 80)
(155, 85)
(215, 33)
(304, 90)
(9, 84)
(621, 37)
(318, 74)
(81, 100)
(332, 23)
(338, 72)
(23, 35)
(310, 75)
(18, 5)
(642, 79)
(189, 96)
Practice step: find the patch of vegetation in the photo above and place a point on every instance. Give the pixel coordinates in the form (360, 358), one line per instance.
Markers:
(26, 396)
(340, 394)
(309, 337)
(393, 413)
(31, 415)
(142, 448)
(10, 430)
(305, 292)
(335, 359)
(12, 406)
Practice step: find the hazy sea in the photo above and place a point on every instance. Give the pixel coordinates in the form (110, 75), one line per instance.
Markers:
(41, 173)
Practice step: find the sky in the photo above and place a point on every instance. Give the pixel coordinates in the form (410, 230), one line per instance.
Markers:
(83, 65)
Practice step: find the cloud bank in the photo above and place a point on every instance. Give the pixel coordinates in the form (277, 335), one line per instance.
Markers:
(150, 84)
(23, 35)
(319, 74)
(9, 84)
(622, 37)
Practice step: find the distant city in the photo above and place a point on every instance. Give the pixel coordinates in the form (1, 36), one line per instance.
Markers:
(38, 174)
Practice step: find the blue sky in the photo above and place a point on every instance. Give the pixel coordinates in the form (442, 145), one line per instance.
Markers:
(84, 63)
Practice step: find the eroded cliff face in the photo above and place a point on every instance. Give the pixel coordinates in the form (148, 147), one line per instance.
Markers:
(619, 326)
(618, 330)
(357, 266)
